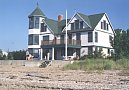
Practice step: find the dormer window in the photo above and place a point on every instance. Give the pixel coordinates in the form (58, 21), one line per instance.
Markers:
(72, 26)
(76, 24)
(81, 24)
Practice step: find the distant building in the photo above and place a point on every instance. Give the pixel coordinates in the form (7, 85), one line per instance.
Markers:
(86, 33)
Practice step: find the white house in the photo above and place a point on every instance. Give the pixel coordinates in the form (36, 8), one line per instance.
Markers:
(86, 33)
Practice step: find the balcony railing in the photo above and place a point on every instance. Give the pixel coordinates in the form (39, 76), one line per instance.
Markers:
(61, 42)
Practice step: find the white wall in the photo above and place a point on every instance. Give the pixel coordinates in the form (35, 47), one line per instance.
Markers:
(103, 39)
(103, 35)
(84, 39)
(98, 27)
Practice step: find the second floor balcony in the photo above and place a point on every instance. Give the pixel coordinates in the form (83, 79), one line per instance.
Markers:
(70, 42)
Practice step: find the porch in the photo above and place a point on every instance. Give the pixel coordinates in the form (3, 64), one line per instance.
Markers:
(61, 42)
(56, 49)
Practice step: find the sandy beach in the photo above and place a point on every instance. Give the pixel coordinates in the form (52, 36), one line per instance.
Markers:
(55, 78)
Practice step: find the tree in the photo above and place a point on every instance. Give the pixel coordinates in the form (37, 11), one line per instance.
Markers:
(19, 55)
(121, 43)
(10, 56)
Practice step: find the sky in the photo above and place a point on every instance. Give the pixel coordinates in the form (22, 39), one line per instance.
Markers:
(14, 16)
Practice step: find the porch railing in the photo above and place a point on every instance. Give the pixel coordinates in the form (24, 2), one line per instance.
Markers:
(61, 42)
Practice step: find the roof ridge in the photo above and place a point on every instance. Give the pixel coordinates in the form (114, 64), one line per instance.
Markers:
(96, 14)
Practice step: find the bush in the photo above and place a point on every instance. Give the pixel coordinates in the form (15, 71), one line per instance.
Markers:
(99, 64)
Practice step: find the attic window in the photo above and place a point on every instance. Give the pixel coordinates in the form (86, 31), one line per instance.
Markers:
(104, 25)
(72, 26)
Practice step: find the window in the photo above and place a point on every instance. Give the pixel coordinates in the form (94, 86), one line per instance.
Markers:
(76, 24)
(101, 25)
(46, 38)
(37, 22)
(105, 25)
(96, 36)
(108, 51)
(90, 37)
(81, 24)
(43, 27)
(34, 52)
(33, 39)
(90, 50)
(110, 38)
(78, 36)
(69, 38)
(36, 40)
(31, 22)
(34, 22)
(30, 41)
(72, 26)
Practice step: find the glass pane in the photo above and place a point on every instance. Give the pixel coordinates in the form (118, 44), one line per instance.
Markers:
(90, 37)
(31, 22)
(30, 41)
(37, 22)
(81, 25)
(72, 26)
(96, 36)
(76, 24)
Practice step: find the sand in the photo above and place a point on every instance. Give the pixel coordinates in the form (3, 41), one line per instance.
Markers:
(55, 78)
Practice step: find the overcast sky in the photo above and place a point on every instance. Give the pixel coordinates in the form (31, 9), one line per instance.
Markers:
(14, 16)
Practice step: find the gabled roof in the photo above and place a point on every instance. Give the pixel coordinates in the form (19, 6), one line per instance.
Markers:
(94, 19)
(37, 12)
(53, 25)
(62, 24)
(85, 18)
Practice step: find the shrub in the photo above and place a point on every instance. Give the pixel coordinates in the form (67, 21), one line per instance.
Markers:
(99, 64)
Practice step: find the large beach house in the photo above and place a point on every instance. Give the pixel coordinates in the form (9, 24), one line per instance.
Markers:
(85, 34)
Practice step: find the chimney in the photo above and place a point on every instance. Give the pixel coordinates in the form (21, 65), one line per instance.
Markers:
(60, 18)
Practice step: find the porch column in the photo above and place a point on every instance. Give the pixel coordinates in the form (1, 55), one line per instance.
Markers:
(48, 55)
(41, 54)
(53, 53)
